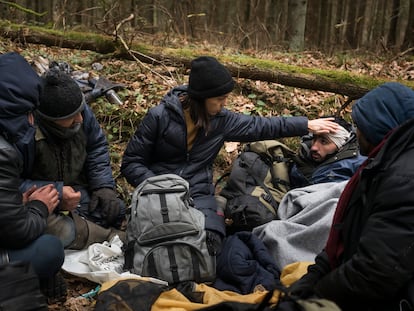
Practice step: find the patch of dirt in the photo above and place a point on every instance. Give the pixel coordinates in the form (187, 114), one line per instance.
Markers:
(75, 301)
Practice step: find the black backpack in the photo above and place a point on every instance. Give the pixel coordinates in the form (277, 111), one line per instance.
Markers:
(257, 182)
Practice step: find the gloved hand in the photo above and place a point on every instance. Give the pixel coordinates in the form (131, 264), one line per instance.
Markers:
(305, 286)
(107, 201)
(214, 242)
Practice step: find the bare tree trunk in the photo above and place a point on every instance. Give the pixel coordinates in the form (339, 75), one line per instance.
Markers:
(402, 22)
(410, 34)
(297, 21)
(366, 25)
(332, 31)
(343, 25)
(357, 22)
(283, 19)
(386, 25)
(376, 16)
(231, 10)
(313, 24)
(261, 35)
(325, 23)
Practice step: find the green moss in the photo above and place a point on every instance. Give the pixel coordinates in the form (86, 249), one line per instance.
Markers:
(189, 52)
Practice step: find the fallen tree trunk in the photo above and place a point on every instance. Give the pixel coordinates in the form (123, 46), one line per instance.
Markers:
(310, 82)
(304, 81)
(342, 83)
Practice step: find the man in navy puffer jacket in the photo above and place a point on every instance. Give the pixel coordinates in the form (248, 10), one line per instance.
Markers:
(71, 151)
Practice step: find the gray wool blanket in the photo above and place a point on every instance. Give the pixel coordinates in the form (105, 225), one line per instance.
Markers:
(305, 220)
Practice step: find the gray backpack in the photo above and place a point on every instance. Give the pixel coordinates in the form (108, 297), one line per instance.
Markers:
(166, 238)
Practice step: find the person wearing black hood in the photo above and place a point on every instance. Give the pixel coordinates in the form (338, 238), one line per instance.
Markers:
(368, 261)
(185, 132)
(23, 217)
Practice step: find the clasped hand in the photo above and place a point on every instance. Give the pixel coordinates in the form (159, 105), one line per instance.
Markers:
(46, 194)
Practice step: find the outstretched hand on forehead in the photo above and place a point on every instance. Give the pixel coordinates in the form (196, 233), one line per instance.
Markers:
(322, 126)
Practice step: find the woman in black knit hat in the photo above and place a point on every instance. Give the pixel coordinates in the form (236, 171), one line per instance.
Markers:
(185, 132)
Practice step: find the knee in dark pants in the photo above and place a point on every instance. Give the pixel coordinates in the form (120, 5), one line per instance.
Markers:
(61, 226)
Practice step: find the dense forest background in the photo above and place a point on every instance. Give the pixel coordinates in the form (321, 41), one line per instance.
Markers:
(289, 57)
(369, 39)
(325, 25)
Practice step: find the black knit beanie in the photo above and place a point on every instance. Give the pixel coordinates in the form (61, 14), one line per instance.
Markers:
(61, 96)
(209, 78)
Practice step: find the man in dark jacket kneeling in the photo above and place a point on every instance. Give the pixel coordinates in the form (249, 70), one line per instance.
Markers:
(71, 152)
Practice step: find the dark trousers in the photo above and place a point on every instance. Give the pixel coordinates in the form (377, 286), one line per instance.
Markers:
(46, 255)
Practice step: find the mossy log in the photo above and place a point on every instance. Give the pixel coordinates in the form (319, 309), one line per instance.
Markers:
(339, 82)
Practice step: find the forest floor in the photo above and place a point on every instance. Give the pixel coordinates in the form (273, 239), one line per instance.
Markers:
(145, 85)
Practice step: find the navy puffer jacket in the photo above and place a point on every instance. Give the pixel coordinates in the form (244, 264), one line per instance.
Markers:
(159, 146)
(245, 263)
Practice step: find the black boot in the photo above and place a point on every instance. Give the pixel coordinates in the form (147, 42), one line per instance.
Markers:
(54, 288)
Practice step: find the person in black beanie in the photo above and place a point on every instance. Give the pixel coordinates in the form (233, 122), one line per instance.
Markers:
(185, 132)
(71, 152)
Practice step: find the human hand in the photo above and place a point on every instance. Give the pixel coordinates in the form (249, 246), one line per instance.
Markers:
(107, 200)
(27, 193)
(305, 286)
(70, 198)
(46, 194)
(322, 126)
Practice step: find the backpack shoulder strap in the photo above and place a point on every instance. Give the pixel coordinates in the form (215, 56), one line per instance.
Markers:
(249, 169)
(269, 161)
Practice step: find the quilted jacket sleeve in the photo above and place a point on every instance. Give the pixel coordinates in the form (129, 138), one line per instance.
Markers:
(19, 224)
(137, 156)
(98, 166)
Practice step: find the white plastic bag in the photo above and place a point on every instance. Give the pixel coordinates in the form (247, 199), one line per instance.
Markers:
(106, 256)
